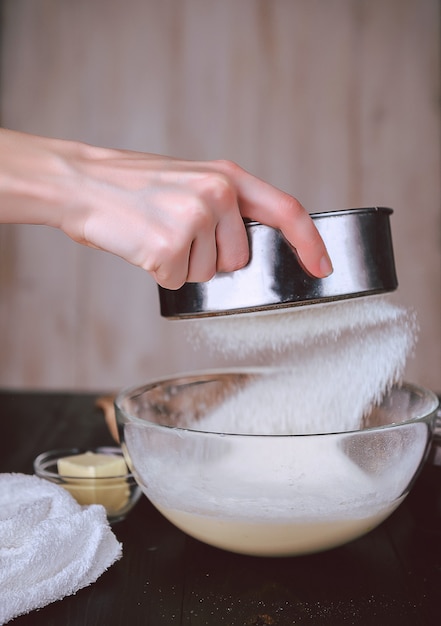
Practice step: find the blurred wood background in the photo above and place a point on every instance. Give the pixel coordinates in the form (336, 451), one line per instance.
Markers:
(337, 102)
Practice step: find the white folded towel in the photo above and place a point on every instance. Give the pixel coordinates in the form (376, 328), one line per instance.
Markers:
(50, 546)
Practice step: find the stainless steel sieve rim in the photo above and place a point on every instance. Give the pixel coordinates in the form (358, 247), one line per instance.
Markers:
(359, 242)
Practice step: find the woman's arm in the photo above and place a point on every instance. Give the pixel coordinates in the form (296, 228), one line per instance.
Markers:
(179, 220)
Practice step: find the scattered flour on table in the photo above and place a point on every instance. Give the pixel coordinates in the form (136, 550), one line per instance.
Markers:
(336, 361)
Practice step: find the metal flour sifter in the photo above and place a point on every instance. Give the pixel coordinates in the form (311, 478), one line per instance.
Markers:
(359, 243)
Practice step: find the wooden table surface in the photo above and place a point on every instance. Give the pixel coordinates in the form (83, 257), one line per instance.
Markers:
(390, 576)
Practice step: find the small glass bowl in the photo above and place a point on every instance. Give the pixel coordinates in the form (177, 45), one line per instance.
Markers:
(118, 494)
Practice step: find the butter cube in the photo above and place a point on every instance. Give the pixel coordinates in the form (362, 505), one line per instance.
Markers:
(92, 464)
(96, 478)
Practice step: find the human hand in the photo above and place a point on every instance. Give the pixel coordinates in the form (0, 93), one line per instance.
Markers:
(182, 221)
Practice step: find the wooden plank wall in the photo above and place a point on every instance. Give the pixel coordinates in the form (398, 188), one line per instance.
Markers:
(337, 102)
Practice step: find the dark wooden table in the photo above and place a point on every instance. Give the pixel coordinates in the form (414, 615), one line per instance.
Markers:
(390, 576)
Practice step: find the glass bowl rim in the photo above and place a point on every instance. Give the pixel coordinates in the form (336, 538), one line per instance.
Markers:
(432, 414)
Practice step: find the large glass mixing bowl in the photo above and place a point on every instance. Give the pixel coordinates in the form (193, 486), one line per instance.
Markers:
(270, 495)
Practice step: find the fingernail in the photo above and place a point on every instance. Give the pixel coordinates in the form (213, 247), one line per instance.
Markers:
(326, 266)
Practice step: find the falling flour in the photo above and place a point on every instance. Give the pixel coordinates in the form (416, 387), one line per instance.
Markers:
(335, 362)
